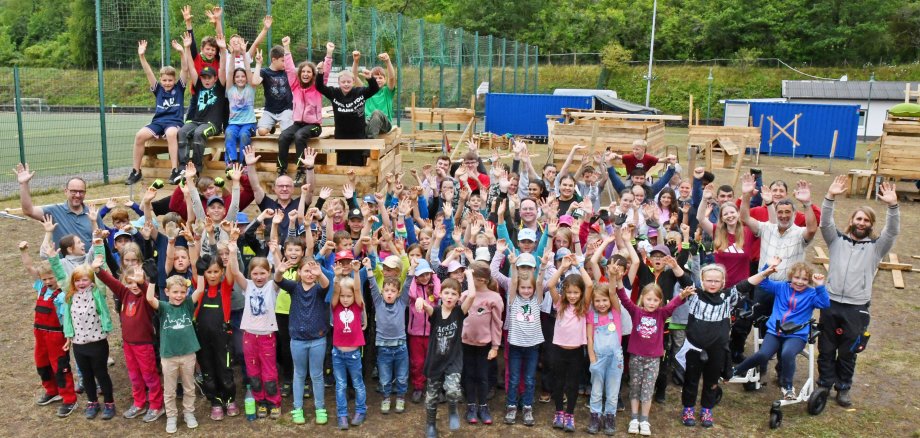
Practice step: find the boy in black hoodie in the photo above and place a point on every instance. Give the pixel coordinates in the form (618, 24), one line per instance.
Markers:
(348, 108)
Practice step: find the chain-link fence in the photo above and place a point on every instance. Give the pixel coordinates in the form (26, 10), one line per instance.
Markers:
(53, 118)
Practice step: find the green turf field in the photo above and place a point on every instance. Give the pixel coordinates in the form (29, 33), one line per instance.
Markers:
(66, 143)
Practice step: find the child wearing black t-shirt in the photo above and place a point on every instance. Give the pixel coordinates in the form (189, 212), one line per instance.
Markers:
(208, 108)
(445, 351)
(348, 109)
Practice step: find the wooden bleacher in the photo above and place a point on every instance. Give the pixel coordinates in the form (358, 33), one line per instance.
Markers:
(384, 158)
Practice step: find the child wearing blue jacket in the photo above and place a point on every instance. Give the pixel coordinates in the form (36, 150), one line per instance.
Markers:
(795, 301)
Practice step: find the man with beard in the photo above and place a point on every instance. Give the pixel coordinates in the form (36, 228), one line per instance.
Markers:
(855, 254)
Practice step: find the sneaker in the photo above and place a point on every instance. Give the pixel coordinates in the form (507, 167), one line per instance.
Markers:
(175, 176)
(66, 409)
(342, 423)
(594, 423)
(545, 397)
(688, 417)
(417, 396)
(527, 417)
(511, 414)
(358, 419)
(400, 405)
(108, 411)
(110, 362)
(133, 178)
(385, 406)
(321, 417)
(297, 416)
(789, 393)
(286, 390)
(217, 413)
(172, 424)
(262, 411)
(706, 417)
(92, 409)
(152, 415)
(190, 421)
(47, 399)
(299, 177)
(484, 415)
(633, 426)
(843, 398)
(232, 410)
(472, 413)
(274, 412)
(569, 423)
(610, 424)
(559, 420)
(645, 428)
(134, 411)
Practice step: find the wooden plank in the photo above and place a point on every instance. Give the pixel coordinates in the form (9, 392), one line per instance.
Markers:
(821, 255)
(888, 266)
(896, 276)
(803, 171)
(618, 115)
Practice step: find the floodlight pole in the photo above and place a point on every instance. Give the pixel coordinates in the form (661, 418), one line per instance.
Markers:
(651, 56)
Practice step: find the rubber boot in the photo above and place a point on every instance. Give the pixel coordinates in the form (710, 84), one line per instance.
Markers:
(432, 430)
(453, 416)
(594, 423)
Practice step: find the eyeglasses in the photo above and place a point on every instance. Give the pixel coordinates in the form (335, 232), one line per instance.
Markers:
(77, 192)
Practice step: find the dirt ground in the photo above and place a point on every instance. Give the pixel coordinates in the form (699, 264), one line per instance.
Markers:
(884, 391)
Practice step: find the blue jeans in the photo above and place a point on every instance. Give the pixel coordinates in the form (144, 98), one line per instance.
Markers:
(236, 138)
(347, 364)
(606, 374)
(313, 350)
(393, 369)
(522, 360)
(788, 347)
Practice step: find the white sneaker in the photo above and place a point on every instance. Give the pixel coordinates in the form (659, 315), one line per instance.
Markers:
(789, 393)
(633, 426)
(645, 428)
(111, 361)
(190, 420)
(172, 424)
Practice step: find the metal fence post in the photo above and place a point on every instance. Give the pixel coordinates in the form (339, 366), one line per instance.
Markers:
(344, 36)
(373, 47)
(399, 36)
(101, 82)
(504, 52)
(18, 102)
(441, 57)
(514, 83)
(475, 58)
(421, 62)
(310, 30)
(167, 60)
(268, 11)
(490, 63)
(459, 66)
(536, 68)
(526, 65)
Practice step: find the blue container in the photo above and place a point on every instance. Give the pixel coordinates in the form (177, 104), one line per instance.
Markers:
(525, 114)
(816, 128)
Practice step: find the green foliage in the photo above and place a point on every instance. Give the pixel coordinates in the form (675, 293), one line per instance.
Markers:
(615, 56)
(81, 36)
(7, 48)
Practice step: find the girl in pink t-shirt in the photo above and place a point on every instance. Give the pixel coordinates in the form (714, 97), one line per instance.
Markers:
(348, 323)
(569, 337)
(482, 335)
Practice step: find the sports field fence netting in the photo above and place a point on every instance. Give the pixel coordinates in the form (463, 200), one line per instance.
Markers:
(67, 122)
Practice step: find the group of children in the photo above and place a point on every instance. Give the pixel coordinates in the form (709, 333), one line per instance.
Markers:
(423, 286)
(221, 80)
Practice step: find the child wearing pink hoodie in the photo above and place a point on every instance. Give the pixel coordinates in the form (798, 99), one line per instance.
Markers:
(420, 283)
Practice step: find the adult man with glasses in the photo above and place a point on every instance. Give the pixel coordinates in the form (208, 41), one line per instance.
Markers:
(283, 188)
(71, 217)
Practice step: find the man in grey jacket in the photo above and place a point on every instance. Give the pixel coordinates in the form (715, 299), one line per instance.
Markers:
(855, 254)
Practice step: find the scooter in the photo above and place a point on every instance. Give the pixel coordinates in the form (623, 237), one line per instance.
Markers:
(816, 400)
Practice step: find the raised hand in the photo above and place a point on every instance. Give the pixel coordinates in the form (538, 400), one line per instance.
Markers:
(187, 39)
(325, 192)
(267, 22)
(250, 155)
(149, 195)
(177, 47)
(838, 187)
(773, 263)
(22, 173)
(221, 42)
(259, 58)
(48, 224)
(348, 190)
(355, 55)
(92, 213)
(286, 41)
(699, 172)
(235, 172)
(802, 191)
(187, 16)
(817, 279)
(190, 171)
(216, 13)
(97, 262)
(748, 184)
(330, 47)
(384, 57)
(309, 157)
(887, 193)
(141, 47)
(687, 291)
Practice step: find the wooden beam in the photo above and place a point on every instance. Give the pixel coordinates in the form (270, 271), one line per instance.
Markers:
(617, 115)
(803, 171)
(896, 276)
(820, 254)
(888, 266)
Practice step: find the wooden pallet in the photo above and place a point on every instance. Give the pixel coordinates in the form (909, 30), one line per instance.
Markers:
(616, 135)
(431, 124)
(898, 152)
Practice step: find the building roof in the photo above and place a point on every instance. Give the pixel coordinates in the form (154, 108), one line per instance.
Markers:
(844, 90)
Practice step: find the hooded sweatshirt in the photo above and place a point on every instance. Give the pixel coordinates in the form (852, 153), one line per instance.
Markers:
(308, 103)
(853, 262)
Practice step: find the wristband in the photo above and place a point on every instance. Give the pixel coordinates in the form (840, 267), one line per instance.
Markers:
(309, 167)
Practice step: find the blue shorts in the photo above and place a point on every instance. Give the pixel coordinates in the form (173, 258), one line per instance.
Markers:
(159, 127)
